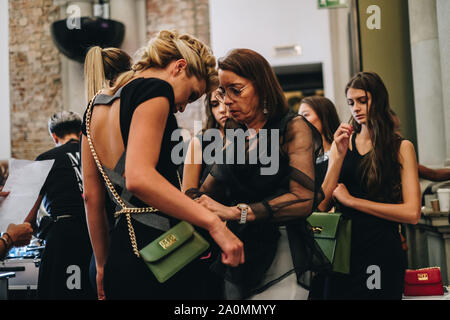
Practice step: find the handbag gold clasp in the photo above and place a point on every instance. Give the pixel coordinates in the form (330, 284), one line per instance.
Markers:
(168, 241)
(422, 276)
(316, 229)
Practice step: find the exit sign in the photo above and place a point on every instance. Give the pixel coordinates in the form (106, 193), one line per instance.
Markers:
(327, 4)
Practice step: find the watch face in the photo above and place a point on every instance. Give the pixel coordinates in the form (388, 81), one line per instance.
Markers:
(242, 206)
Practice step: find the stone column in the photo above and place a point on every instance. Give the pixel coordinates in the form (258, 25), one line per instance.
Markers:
(341, 58)
(428, 89)
(130, 14)
(72, 71)
(443, 24)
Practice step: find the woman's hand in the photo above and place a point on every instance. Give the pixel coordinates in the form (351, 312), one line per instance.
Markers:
(99, 278)
(342, 195)
(232, 247)
(225, 213)
(342, 139)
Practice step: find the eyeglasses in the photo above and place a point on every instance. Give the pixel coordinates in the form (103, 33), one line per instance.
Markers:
(232, 92)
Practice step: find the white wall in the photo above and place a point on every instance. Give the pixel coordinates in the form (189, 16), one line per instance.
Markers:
(262, 25)
(5, 141)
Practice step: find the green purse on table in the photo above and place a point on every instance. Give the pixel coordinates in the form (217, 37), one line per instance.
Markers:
(333, 234)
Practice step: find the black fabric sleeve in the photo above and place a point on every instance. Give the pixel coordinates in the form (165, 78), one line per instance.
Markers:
(299, 145)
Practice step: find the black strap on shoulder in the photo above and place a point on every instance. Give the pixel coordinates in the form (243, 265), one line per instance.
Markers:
(107, 99)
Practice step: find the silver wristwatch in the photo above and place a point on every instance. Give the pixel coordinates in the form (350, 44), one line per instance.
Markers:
(244, 210)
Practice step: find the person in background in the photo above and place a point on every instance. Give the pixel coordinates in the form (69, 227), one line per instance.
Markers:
(195, 173)
(373, 176)
(134, 131)
(64, 269)
(321, 113)
(266, 210)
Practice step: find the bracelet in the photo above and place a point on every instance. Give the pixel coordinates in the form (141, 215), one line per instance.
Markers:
(9, 237)
(5, 242)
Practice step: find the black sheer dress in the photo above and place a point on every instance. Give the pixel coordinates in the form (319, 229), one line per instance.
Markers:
(281, 197)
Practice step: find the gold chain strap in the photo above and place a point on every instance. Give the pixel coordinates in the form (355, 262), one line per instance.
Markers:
(125, 210)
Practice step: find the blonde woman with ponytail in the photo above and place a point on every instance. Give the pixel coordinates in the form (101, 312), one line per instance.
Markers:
(172, 71)
(102, 67)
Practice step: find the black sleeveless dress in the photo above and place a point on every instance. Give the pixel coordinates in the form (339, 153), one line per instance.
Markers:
(125, 275)
(377, 260)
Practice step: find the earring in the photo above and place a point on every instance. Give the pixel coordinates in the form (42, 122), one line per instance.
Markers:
(265, 110)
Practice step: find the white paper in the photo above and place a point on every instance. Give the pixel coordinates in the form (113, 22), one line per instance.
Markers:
(24, 183)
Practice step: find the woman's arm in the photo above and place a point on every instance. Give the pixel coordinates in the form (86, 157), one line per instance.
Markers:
(434, 174)
(192, 165)
(298, 200)
(409, 210)
(338, 151)
(94, 202)
(143, 180)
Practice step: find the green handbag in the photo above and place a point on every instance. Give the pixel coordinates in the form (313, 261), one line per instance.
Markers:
(174, 249)
(333, 233)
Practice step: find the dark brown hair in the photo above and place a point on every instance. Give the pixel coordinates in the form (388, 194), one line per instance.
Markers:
(211, 121)
(251, 65)
(381, 167)
(327, 114)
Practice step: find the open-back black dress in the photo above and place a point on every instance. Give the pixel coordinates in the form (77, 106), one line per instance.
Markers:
(125, 275)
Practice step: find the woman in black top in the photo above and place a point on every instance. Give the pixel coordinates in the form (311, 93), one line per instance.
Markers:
(196, 169)
(172, 71)
(321, 113)
(378, 189)
(265, 198)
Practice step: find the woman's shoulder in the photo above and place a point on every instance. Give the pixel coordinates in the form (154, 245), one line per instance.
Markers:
(406, 148)
(143, 89)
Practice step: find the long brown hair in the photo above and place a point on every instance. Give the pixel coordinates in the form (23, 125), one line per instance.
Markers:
(380, 168)
(211, 121)
(251, 65)
(327, 114)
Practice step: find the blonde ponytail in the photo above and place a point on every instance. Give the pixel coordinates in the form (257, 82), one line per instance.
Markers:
(94, 73)
(102, 67)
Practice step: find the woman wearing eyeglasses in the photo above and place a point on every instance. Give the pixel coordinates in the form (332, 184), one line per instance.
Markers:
(266, 211)
(373, 174)
(131, 136)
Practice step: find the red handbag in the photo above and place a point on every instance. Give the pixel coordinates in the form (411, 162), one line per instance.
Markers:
(423, 282)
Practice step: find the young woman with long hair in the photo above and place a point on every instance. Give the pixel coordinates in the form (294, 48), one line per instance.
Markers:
(373, 176)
